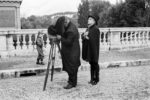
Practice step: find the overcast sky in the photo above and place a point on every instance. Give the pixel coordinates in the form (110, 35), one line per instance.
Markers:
(47, 7)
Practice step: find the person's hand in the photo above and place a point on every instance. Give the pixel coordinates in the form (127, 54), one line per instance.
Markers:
(58, 37)
(85, 35)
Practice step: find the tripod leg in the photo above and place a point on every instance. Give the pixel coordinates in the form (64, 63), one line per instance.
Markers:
(59, 49)
(53, 62)
(49, 62)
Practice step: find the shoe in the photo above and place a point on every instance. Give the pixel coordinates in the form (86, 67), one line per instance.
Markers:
(37, 63)
(42, 63)
(69, 86)
(90, 82)
(93, 82)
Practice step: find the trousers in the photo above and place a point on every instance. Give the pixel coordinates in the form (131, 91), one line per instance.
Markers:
(72, 77)
(94, 71)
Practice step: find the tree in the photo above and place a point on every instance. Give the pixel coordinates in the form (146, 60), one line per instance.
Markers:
(25, 24)
(97, 7)
(147, 7)
(101, 8)
(83, 12)
(128, 14)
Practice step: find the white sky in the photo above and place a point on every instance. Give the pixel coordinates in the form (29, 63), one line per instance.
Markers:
(47, 7)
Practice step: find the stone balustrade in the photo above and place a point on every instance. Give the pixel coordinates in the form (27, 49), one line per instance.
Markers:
(21, 42)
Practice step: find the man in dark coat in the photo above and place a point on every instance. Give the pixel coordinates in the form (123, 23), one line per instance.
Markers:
(70, 49)
(90, 47)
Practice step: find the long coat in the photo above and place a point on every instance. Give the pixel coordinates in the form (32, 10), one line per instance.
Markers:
(39, 47)
(70, 48)
(90, 47)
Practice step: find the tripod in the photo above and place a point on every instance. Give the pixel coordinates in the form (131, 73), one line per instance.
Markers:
(51, 61)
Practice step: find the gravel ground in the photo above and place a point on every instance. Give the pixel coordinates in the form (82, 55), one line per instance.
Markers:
(130, 83)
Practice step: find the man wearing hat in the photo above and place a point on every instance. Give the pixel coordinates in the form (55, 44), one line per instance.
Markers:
(90, 47)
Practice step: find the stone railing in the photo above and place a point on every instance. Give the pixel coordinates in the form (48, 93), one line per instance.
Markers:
(22, 42)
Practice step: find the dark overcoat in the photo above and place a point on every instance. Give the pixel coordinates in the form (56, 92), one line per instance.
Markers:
(70, 48)
(90, 47)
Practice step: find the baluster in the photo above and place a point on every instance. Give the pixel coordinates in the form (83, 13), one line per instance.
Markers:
(126, 38)
(47, 42)
(24, 42)
(129, 38)
(148, 38)
(135, 38)
(30, 42)
(132, 39)
(119, 39)
(101, 38)
(35, 41)
(44, 40)
(110, 40)
(10, 42)
(104, 39)
(139, 37)
(18, 47)
(123, 38)
(107, 38)
(143, 37)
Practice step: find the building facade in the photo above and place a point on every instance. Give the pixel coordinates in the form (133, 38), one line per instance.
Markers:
(10, 14)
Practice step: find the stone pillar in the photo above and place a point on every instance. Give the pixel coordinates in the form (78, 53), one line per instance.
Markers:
(9, 20)
(3, 44)
(115, 43)
(10, 14)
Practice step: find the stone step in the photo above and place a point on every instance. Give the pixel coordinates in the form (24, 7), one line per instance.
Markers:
(15, 73)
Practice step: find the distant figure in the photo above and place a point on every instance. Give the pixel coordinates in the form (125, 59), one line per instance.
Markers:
(39, 47)
(90, 47)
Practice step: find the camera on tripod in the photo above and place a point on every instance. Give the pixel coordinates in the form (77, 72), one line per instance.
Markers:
(54, 41)
(52, 34)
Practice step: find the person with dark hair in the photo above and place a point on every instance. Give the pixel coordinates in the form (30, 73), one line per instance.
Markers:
(68, 34)
(39, 47)
(90, 47)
